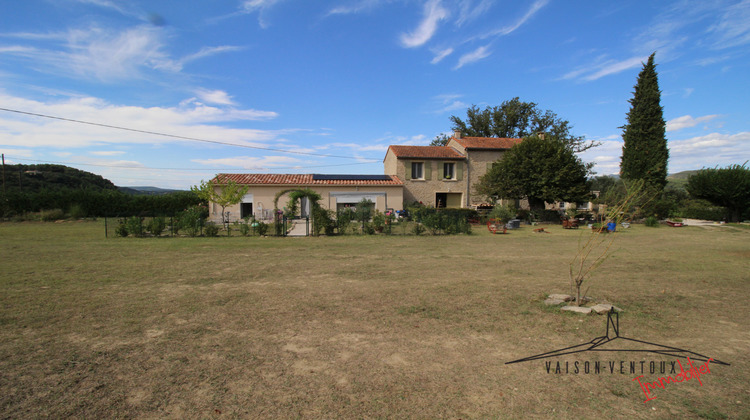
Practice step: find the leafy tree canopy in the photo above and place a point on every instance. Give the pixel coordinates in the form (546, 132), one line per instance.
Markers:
(225, 194)
(33, 178)
(539, 170)
(645, 153)
(728, 187)
(517, 119)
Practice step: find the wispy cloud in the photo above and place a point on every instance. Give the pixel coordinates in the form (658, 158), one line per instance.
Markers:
(433, 13)
(470, 10)
(505, 30)
(687, 121)
(733, 27)
(218, 97)
(441, 54)
(250, 162)
(472, 57)
(448, 103)
(107, 153)
(104, 54)
(358, 7)
(597, 70)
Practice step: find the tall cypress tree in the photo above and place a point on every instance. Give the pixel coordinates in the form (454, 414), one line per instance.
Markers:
(645, 152)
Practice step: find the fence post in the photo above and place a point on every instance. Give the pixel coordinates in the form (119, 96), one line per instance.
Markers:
(105, 227)
(307, 226)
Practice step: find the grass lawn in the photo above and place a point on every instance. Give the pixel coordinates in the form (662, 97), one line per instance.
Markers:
(360, 326)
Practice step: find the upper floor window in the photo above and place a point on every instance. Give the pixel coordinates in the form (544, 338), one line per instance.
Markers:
(417, 170)
(449, 170)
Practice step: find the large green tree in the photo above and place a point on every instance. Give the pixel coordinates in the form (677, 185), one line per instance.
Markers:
(517, 119)
(645, 153)
(728, 187)
(539, 169)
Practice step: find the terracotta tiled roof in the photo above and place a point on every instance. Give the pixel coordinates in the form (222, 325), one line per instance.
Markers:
(426, 152)
(304, 179)
(487, 142)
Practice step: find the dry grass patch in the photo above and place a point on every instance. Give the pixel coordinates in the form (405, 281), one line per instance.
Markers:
(355, 326)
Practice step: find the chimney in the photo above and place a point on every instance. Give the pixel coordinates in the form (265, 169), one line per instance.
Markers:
(457, 134)
(541, 135)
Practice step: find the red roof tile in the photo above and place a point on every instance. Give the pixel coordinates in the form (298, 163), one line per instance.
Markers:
(300, 179)
(426, 152)
(487, 142)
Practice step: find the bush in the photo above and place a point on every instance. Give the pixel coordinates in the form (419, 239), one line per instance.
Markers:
(156, 226)
(261, 228)
(503, 213)
(417, 229)
(652, 221)
(344, 219)
(52, 215)
(322, 221)
(368, 228)
(76, 211)
(135, 225)
(192, 219)
(122, 229)
(244, 228)
(211, 229)
(378, 221)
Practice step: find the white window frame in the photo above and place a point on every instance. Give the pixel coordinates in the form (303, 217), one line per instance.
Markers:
(451, 172)
(419, 165)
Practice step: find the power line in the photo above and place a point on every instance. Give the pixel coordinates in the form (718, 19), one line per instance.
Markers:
(180, 169)
(176, 136)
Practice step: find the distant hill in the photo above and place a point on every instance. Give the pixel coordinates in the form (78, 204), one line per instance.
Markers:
(32, 178)
(147, 190)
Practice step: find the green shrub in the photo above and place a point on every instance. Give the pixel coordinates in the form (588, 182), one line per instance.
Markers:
(76, 211)
(417, 229)
(211, 229)
(261, 228)
(244, 228)
(135, 225)
(368, 228)
(344, 218)
(322, 220)
(652, 221)
(122, 229)
(503, 213)
(52, 215)
(156, 226)
(192, 219)
(378, 221)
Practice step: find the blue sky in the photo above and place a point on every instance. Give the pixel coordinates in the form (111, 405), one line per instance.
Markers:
(298, 86)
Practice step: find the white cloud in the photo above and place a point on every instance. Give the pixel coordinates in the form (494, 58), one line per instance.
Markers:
(448, 103)
(250, 163)
(261, 6)
(191, 120)
(107, 153)
(218, 97)
(603, 68)
(733, 27)
(358, 7)
(472, 57)
(433, 13)
(105, 54)
(686, 121)
(441, 54)
(469, 11)
(505, 30)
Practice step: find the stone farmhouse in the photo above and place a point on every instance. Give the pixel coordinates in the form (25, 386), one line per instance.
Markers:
(439, 176)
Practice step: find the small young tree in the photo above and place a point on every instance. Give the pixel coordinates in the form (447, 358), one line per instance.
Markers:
(594, 248)
(728, 187)
(223, 194)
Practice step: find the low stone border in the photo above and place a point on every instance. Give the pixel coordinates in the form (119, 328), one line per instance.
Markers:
(599, 308)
